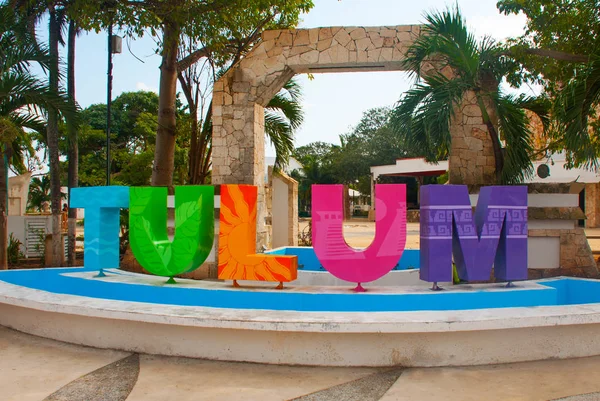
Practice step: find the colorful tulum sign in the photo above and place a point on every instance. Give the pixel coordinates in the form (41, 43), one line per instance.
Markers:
(492, 236)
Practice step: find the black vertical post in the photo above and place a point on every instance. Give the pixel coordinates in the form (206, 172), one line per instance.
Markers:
(108, 104)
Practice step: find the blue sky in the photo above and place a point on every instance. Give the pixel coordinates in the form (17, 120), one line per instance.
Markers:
(333, 103)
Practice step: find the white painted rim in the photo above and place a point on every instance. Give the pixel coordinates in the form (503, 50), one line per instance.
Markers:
(426, 338)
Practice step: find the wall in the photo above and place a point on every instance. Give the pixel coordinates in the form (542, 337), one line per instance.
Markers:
(17, 226)
(280, 214)
(284, 209)
(18, 191)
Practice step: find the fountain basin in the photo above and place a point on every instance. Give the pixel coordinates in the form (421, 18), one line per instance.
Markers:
(328, 326)
(311, 272)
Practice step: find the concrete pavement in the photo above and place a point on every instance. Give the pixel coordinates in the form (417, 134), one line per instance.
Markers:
(32, 368)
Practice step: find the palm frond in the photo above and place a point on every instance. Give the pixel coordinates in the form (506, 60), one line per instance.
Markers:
(18, 90)
(424, 113)
(292, 110)
(293, 88)
(573, 108)
(514, 130)
(538, 105)
(283, 115)
(445, 35)
(279, 133)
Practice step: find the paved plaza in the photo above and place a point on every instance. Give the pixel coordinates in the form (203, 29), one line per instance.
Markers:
(359, 233)
(36, 369)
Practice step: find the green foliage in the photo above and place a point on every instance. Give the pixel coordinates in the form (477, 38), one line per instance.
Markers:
(211, 22)
(372, 142)
(424, 114)
(569, 26)
(316, 160)
(283, 115)
(39, 193)
(561, 50)
(24, 97)
(576, 110)
(133, 137)
(13, 252)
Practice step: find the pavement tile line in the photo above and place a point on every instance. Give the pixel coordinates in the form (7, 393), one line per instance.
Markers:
(580, 397)
(112, 382)
(368, 388)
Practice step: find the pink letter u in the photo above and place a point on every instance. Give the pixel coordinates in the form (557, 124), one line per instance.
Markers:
(349, 264)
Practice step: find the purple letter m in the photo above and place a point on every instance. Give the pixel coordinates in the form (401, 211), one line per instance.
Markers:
(497, 236)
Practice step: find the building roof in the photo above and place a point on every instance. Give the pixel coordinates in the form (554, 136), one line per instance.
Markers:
(415, 167)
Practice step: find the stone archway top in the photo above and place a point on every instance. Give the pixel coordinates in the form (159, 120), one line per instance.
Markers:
(283, 53)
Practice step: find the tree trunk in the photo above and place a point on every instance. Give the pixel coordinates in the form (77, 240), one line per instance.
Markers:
(205, 148)
(162, 171)
(73, 174)
(52, 134)
(3, 211)
(194, 155)
(187, 88)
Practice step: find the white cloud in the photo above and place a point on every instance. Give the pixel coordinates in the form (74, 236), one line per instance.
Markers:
(141, 86)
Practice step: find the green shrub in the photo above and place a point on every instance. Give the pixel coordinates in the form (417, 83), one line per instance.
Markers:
(360, 213)
(14, 254)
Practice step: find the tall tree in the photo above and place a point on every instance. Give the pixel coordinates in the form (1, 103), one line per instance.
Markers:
(560, 50)
(316, 159)
(73, 153)
(133, 140)
(54, 30)
(231, 23)
(217, 25)
(23, 98)
(476, 69)
(32, 10)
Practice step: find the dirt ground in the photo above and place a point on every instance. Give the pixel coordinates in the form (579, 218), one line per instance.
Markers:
(359, 233)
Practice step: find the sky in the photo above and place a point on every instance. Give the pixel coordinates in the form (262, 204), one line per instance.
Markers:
(333, 103)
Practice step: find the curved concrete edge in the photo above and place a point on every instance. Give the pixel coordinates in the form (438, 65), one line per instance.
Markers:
(424, 339)
(395, 278)
(293, 321)
(426, 349)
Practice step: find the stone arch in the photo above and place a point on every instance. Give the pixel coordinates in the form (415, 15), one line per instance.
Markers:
(240, 95)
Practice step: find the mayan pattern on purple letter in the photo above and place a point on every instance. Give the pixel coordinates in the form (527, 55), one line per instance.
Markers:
(495, 236)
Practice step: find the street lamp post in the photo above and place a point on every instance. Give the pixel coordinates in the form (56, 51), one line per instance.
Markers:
(114, 47)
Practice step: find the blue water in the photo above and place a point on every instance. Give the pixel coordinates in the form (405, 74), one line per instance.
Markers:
(563, 291)
(307, 260)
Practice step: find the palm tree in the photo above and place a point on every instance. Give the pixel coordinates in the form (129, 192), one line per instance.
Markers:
(469, 71)
(73, 153)
(283, 115)
(24, 99)
(576, 110)
(39, 193)
(314, 171)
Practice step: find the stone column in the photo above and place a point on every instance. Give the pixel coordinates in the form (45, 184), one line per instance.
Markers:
(471, 158)
(239, 148)
(592, 205)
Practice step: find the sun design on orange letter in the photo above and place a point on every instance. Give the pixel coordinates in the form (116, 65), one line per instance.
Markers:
(237, 241)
